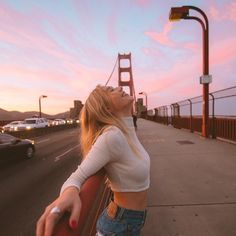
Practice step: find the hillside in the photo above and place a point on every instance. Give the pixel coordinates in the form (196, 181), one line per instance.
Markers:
(16, 115)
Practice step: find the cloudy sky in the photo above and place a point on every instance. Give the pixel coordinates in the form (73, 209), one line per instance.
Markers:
(64, 48)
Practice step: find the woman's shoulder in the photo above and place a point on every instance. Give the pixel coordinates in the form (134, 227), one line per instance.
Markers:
(112, 134)
(112, 138)
(113, 131)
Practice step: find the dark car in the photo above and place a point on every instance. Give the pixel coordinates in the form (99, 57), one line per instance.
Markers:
(12, 147)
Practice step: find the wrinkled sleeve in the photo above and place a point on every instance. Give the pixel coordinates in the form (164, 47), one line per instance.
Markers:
(107, 148)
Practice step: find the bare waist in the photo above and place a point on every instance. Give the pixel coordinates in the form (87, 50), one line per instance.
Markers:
(131, 200)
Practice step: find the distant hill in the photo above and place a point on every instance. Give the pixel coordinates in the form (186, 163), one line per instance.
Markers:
(16, 115)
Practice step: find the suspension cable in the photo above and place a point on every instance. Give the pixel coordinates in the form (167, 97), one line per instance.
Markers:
(112, 72)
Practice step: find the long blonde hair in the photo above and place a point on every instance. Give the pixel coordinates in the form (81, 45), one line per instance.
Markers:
(96, 117)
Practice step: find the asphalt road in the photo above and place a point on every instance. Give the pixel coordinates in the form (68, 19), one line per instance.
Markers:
(28, 186)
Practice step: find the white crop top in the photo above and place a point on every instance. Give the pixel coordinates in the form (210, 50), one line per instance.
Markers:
(126, 171)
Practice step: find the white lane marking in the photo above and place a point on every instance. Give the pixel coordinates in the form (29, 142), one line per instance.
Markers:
(58, 157)
(72, 132)
(42, 141)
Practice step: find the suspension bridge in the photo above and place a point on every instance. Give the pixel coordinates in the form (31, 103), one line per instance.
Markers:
(193, 189)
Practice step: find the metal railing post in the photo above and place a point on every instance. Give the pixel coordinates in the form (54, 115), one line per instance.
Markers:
(191, 116)
(213, 116)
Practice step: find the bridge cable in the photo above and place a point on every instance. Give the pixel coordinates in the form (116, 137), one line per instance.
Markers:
(112, 72)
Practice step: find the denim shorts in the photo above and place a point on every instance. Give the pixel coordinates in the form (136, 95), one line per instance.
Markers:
(125, 223)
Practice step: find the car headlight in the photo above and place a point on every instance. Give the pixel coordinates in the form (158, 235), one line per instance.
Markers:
(15, 128)
(28, 127)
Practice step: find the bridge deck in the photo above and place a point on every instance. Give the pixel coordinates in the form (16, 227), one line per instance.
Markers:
(193, 183)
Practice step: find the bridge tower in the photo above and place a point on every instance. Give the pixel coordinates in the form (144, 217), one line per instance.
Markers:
(125, 74)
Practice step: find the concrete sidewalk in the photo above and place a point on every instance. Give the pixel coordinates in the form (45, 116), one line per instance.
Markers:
(193, 183)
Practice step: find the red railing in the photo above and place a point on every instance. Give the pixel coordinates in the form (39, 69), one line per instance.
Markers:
(94, 197)
(180, 114)
(225, 128)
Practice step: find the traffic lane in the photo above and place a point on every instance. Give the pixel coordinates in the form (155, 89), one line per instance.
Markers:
(17, 177)
(46, 146)
(53, 145)
(19, 216)
(29, 190)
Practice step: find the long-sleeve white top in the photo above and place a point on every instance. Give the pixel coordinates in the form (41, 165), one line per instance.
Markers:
(126, 171)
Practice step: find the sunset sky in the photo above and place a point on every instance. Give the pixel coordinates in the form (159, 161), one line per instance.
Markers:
(64, 48)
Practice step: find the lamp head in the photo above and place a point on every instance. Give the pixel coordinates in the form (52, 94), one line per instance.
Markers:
(178, 13)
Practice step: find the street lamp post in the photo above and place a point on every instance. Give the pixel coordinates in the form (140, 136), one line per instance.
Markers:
(42, 96)
(143, 93)
(178, 13)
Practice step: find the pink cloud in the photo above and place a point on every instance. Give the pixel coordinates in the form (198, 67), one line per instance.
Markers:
(232, 11)
(143, 3)
(16, 29)
(29, 75)
(152, 52)
(192, 46)
(82, 79)
(12, 99)
(214, 13)
(223, 52)
(183, 81)
(65, 66)
(168, 86)
(162, 37)
(225, 12)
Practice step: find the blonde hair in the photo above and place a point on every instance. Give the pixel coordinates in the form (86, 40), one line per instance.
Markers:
(96, 117)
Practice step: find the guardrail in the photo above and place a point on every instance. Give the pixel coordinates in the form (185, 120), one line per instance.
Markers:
(94, 196)
(186, 114)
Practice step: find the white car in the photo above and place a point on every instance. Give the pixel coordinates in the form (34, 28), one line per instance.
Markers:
(58, 122)
(32, 123)
(12, 126)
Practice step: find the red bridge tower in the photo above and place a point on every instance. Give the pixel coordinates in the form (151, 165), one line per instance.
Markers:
(128, 79)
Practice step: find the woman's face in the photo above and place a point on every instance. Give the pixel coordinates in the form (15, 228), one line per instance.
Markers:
(121, 101)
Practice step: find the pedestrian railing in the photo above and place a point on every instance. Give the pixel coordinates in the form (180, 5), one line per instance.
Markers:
(186, 114)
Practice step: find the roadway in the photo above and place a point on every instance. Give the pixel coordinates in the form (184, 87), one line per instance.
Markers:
(27, 186)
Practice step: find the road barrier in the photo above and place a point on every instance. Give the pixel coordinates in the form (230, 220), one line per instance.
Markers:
(95, 196)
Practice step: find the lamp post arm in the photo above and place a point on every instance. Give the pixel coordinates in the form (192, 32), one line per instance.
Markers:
(205, 36)
(197, 19)
(202, 13)
(205, 43)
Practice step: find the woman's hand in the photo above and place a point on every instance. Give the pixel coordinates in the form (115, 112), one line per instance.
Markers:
(68, 201)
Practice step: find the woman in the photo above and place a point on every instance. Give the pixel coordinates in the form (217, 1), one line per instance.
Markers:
(108, 140)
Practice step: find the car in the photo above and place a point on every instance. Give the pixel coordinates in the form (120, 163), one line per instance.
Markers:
(58, 122)
(69, 121)
(12, 126)
(32, 123)
(11, 147)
